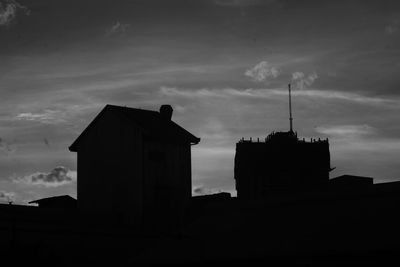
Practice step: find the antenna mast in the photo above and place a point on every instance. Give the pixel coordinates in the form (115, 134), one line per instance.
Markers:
(290, 110)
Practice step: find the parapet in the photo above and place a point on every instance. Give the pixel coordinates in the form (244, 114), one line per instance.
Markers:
(282, 137)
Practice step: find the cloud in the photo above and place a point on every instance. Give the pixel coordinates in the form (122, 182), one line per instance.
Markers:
(6, 147)
(302, 81)
(57, 177)
(350, 97)
(269, 93)
(346, 130)
(297, 75)
(46, 142)
(204, 92)
(7, 196)
(262, 71)
(9, 10)
(47, 116)
(243, 3)
(117, 28)
(201, 190)
(393, 27)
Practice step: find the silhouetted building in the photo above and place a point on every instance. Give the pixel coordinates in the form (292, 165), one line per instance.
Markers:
(57, 202)
(212, 197)
(134, 164)
(280, 162)
(350, 182)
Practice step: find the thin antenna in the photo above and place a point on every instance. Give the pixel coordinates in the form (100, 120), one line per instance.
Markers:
(290, 110)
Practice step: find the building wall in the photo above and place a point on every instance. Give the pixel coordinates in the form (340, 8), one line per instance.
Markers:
(110, 170)
(264, 166)
(135, 179)
(167, 176)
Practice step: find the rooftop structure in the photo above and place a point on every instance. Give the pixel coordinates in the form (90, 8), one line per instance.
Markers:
(281, 161)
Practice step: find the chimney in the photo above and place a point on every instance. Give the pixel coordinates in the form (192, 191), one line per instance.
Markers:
(166, 112)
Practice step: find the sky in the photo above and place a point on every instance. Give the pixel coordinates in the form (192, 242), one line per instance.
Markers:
(223, 65)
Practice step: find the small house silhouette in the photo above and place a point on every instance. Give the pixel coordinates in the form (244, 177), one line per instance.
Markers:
(56, 202)
(134, 164)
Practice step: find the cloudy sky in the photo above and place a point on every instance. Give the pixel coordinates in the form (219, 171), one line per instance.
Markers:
(223, 65)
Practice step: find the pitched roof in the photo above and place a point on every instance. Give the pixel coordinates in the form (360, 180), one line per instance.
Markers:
(151, 122)
(352, 179)
(52, 199)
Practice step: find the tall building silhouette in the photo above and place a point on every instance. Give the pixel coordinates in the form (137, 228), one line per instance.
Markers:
(134, 165)
(280, 162)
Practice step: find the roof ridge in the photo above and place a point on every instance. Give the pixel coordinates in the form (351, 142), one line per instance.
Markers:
(53, 197)
(130, 108)
(149, 120)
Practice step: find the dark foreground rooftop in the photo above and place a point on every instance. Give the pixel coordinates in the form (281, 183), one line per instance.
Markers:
(333, 227)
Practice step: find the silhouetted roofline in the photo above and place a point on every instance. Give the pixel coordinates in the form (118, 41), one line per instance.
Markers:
(73, 147)
(282, 137)
(124, 111)
(52, 198)
(350, 176)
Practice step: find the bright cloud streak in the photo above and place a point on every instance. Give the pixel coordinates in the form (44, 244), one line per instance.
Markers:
(47, 117)
(268, 93)
(346, 130)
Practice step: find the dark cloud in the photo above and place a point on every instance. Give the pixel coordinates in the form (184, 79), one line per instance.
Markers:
(201, 190)
(46, 141)
(57, 177)
(6, 147)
